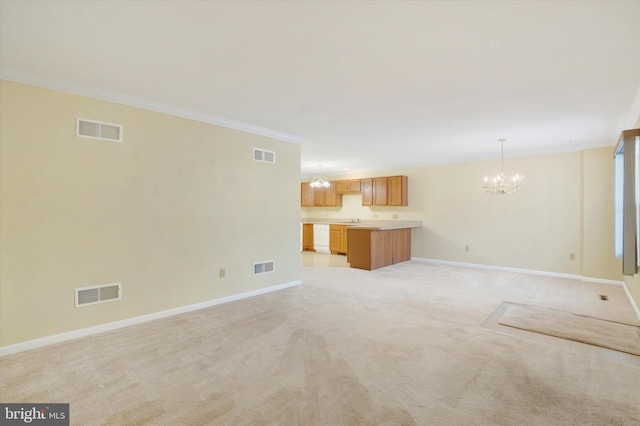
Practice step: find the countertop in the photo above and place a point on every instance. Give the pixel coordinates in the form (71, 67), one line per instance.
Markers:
(374, 224)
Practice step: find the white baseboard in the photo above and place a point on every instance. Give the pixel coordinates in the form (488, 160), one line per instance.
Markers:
(57, 338)
(631, 300)
(535, 272)
(498, 268)
(602, 281)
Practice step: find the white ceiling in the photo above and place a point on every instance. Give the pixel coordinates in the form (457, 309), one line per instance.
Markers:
(364, 85)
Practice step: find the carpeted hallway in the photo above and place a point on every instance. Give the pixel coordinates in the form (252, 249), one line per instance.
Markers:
(413, 343)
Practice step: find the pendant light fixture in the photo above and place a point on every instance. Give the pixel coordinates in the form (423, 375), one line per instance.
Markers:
(501, 185)
(320, 181)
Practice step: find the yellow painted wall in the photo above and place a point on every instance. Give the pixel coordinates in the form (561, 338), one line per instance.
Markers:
(565, 206)
(161, 212)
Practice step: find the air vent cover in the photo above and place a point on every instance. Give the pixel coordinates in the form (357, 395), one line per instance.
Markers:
(264, 155)
(263, 267)
(98, 294)
(98, 130)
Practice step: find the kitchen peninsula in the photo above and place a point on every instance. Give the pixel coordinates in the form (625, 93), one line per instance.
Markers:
(376, 243)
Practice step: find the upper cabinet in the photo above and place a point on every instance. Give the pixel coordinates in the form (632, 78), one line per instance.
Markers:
(385, 191)
(319, 197)
(367, 192)
(379, 191)
(348, 186)
(331, 196)
(398, 191)
(306, 195)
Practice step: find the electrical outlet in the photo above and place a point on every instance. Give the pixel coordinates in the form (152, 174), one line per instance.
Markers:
(394, 216)
(466, 248)
(223, 272)
(572, 256)
(375, 216)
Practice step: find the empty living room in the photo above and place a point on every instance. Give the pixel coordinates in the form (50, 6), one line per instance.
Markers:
(319, 212)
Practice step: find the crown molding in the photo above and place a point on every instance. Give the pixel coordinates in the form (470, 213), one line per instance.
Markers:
(32, 79)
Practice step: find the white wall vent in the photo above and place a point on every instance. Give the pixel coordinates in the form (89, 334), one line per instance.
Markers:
(98, 130)
(98, 294)
(263, 267)
(264, 155)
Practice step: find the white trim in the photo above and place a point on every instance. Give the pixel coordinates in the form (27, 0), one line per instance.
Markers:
(631, 300)
(535, 272)
(120, 98)
(602, 281)
(57, 338)
(498, 268)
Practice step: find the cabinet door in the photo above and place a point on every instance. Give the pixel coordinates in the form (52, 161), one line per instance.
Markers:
(306, 195)
(342, 187)
(331, 197)
(318, 197)
(367, 192)
(380, 191)
(307, 237)
(334, 238)
(398, 191)
(354, 186)
(343, 239)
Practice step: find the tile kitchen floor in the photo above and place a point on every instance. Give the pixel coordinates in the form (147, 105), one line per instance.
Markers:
(310, 258)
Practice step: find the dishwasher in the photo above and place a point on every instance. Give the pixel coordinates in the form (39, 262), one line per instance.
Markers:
(321, 237)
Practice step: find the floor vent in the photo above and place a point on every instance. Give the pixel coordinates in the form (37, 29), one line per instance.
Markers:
(263, 267)
(98, 294)
(604, 297)
(264, 155)
(98, 130)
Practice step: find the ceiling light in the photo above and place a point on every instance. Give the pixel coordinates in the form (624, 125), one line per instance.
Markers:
(320, 181)
(501, 185)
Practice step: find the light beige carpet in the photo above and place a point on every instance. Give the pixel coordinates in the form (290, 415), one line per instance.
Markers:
(402, 345)
(597, 332)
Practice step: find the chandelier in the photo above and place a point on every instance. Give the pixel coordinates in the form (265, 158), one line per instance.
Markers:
(320, 181)
(500, 184)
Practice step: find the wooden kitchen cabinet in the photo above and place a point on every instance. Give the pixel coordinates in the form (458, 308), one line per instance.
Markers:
(373, 249)
(380, 191)
(343, 239)
(338, 239)
(385, 191)
(367, 192)
(331, 196)
(319, 197)
(326, 197)
(348, 186)
(398, 191)
(307, 237)
(306, 195)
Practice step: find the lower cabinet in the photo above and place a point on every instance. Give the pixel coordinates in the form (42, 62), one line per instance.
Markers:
(373, 249)
(307, 237)
(338, 239)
